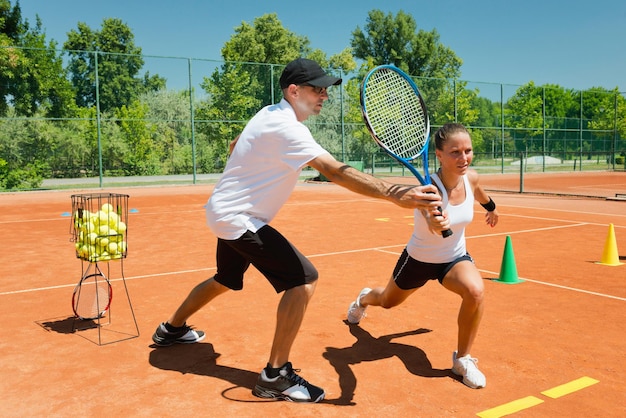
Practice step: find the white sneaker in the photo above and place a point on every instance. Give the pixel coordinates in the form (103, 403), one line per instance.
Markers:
(356, 312)
(466, 367)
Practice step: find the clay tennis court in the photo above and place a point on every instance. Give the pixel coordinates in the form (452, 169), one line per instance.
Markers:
(550, 346)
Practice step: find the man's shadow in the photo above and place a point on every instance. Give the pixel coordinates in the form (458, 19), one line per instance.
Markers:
(368, 348)
(201, 359)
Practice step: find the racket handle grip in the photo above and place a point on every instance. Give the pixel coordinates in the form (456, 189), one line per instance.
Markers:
(446, 232)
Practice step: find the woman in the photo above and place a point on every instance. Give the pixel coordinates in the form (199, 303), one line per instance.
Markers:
(429, 256)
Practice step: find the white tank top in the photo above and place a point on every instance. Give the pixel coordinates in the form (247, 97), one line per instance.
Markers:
(431, 247)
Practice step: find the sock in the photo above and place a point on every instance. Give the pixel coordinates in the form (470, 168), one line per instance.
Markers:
(272, 372)
(172, 328)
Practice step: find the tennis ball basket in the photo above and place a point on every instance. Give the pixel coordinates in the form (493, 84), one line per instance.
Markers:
(99, 226)
(99, 232)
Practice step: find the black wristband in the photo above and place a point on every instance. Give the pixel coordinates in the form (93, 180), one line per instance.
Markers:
(490, 206)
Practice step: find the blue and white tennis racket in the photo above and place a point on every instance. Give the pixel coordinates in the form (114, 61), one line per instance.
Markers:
(396, 116)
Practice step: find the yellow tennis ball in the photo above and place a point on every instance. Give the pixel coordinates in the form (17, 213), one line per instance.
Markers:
(78, 220)
(113, 219)
(92, 237)
(121, 227)
(103, 229)
(103, 242)
(105, 256)
(103, 217)
(88, 227)
(107, 207)
(81, 215)
(112, 248)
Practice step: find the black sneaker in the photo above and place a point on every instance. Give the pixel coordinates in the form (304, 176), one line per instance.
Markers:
(163, 337)
(288, 386)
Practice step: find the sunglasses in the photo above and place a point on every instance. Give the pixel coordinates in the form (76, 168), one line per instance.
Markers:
(318, 90)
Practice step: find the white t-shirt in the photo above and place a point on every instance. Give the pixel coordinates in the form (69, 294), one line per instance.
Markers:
(434, 248)
(261, 172)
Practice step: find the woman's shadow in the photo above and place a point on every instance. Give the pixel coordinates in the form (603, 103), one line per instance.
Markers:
(368, 348)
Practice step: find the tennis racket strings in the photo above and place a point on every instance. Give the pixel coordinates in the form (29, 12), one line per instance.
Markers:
(92, 297)
(396, 114)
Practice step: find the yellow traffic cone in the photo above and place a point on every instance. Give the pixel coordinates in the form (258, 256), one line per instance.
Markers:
(610, 256)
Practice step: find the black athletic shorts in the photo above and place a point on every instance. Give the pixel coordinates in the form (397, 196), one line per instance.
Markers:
(270, 253)
(410, 273)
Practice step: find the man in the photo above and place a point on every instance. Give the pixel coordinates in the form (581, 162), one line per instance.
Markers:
(259, 177)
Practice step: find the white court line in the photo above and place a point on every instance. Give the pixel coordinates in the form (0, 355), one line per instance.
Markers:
(541, 218)
(561, 220)
(562, 287)
(540, 282)
(559, 210)
(598, 186)
(19, 221)
(383, 249)
(171, 273)
(523, 231)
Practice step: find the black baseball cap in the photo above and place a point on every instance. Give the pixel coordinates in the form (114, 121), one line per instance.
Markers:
(305, 71)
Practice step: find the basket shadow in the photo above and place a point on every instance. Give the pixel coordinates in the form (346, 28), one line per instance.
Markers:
(66, 325)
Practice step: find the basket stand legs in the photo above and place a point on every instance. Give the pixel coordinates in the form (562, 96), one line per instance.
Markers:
(100, 330)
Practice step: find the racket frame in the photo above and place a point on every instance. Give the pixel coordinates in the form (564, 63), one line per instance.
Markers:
(423, 151)
(101, 305)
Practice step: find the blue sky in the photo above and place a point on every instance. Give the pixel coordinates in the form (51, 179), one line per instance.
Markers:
(573, 43)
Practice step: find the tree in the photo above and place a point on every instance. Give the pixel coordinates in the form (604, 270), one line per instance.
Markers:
(169, 113)
(10, 29)
(395, 40)
(525, 109)
(605, 114)
(25, 148)
(43, 80)
(343, 61)
(9, 61)
(86, 146)
(389, 39)
(119, 62)
(31, 74)
(239, 88)
(487, 120)
(266, 41)
(599, 108)
(233, 97)
(142, 157)
(547, 112)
